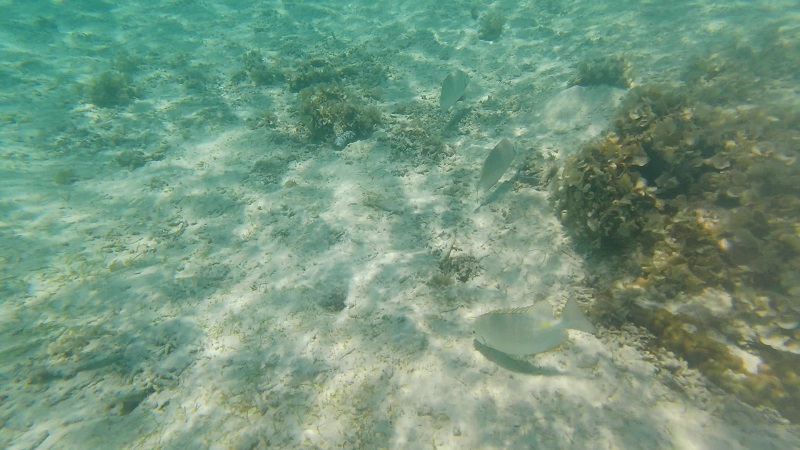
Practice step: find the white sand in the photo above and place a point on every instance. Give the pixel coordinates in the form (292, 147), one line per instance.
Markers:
(183, 304)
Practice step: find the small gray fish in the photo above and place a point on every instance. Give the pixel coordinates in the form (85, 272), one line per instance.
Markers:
(453, 88)
(496, 164)
(531, 329)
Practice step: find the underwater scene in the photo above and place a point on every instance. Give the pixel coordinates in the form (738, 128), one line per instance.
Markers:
(460, 224)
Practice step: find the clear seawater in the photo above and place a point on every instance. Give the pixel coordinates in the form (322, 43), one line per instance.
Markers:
(249, 224)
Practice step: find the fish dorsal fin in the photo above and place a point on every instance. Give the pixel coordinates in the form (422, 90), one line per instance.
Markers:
(541, 310)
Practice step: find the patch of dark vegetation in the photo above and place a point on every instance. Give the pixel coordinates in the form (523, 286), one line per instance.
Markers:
(134, 159)
(611, 71)
(352, 68)
(334, 301)
(330, 110)
(462, 267)
(491, 25)
(111, 89)
(271, 170)
(258, 70)
(66, 176)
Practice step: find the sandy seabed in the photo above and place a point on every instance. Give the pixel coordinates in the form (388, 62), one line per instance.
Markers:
(180, 272)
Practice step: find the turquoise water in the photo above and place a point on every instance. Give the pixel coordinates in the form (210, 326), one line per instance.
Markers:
(232, 224)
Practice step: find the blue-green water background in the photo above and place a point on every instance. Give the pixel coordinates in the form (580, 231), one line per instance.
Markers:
(160, 190)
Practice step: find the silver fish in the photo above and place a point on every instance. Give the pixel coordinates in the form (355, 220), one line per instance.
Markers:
(531, 329)
(453, 88)
(496, 164)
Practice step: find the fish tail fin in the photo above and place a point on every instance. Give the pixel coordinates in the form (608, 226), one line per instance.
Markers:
(573, 318)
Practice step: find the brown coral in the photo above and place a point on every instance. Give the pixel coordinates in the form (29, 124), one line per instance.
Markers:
(696, 187)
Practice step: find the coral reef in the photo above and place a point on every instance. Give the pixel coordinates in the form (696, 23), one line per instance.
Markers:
(602, 197)
(692, 187)
(775, 385)
(697, 187)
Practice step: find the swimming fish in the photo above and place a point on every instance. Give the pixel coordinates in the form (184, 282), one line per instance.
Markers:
(496, 164)
(531, 329)
(453, 88)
